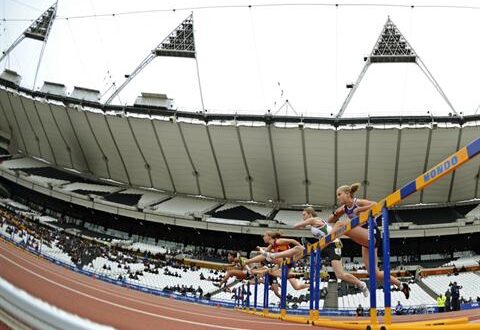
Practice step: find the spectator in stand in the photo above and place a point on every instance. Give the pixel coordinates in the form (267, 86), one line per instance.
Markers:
(448, 301)
(360, 310)
(441, 303)
(399, 309)
(455, 294)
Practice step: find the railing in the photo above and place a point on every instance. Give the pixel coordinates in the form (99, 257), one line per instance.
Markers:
(38, 314)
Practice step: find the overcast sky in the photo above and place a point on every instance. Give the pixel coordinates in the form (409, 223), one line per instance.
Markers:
(248, 56)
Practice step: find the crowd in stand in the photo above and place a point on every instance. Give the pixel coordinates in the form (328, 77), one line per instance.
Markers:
(83, 251)
(183, 290)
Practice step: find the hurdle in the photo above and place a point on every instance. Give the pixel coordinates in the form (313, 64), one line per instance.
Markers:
(265, 293)
(447, 166)
(255, 294)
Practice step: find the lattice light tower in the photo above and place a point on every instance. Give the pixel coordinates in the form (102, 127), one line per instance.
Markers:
(38, 30)
(392, 47)
(179, 43)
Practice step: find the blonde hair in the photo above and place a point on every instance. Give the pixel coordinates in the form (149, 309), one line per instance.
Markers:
(349, 189)
(310, 210)
(273, 234)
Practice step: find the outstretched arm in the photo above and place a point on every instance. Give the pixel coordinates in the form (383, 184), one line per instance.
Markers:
(303, 224)
(336, 215)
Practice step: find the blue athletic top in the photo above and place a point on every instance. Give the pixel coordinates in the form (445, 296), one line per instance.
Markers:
(349, 211)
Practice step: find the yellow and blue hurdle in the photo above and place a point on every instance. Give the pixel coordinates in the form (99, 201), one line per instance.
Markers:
(443, 168)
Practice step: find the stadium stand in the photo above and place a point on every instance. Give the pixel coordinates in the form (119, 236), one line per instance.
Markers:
(424, 216)
(136, 197)
(185, 206)
(469, 283)
(417, 298)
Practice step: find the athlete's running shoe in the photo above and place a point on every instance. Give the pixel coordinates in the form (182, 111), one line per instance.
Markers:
(363, 287)
(406, 290)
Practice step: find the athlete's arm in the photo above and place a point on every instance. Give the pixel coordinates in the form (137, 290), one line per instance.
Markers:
(363, 205)
(268, 248)
(336, 214)
(303, 224)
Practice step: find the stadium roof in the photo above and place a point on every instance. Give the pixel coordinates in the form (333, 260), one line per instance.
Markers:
(268, 157)
(263, 160)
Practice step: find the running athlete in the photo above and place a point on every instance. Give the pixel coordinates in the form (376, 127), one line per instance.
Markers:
(278, 247)
(278, 244)
(332, 252)
(352, 207)
(238, 269)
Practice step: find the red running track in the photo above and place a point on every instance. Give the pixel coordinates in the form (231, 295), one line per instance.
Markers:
(113, 305)
(123, 308)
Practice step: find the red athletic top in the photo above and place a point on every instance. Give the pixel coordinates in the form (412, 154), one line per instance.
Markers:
(279, 247)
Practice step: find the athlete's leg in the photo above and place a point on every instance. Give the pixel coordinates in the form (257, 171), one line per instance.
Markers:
(378, 272)
(238, 273)
(341, 274)
(297, 285)
(276, 289)
(296, 251)
(259, 258)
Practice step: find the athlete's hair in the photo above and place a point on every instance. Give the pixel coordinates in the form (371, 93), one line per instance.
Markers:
(310, 210)
(349, 189)
(273, 234)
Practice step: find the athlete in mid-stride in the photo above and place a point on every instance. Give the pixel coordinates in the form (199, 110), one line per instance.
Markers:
(238, 269)
(285, 248)
(332, 252)
(352, 207)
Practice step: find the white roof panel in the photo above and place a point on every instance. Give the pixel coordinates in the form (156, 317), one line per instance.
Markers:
(287, 146)
(104, 138)
(177, 157)
(258, 154)
(200, 150)
(320, 154)
(444, 143)
(130, 153)
(229, 156)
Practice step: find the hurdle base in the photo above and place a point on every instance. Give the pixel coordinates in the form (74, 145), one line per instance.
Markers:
(313, 314)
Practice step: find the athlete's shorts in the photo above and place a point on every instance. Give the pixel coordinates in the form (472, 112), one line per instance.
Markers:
(332, 251)
(272, 280)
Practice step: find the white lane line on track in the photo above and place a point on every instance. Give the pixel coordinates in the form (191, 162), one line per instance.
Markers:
(115, 304)
(272, 322)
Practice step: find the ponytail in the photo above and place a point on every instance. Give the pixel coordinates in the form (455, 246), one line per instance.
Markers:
(353, 188)
(350, 189)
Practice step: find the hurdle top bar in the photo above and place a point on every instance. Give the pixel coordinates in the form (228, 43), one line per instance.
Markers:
(447, 166)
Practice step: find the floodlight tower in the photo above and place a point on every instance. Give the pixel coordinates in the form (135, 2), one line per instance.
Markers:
(392, 47)
(38, 30)
(179, 43)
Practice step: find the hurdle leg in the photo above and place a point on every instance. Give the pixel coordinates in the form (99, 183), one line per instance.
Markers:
(312, 284)
(372, 270)
(255, 294)
(242, 296)
(237, 297)
(248, 295)
(265, 294)
(318, 266)
(283, 292)
(386, 267)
